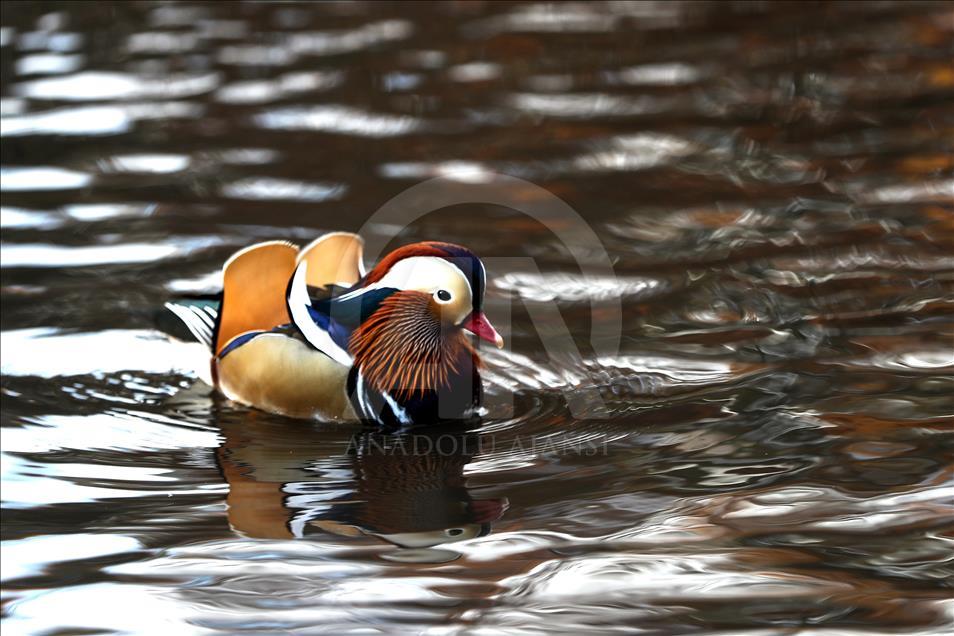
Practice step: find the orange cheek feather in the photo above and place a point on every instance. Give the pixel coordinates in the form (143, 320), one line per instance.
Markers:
(404, 349)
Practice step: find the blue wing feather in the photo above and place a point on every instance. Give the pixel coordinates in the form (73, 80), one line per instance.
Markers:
(340, 315)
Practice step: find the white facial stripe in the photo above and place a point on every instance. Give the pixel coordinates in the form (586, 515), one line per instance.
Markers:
(429, 274)
(426, 274)
(298, 304)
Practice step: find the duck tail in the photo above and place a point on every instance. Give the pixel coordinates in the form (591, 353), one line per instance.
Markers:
(192, 318)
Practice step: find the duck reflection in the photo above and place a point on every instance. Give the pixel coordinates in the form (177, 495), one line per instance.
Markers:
(286, 481)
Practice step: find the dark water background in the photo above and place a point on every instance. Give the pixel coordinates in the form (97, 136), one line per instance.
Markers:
(773, 182)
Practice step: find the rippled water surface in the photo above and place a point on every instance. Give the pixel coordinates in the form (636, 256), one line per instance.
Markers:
(773, 183)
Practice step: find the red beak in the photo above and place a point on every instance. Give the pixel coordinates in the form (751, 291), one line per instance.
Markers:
(478, 325)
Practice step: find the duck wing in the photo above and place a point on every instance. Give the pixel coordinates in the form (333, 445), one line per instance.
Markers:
(253, 290)
(255, 279)
(252, 297)
(333, 259)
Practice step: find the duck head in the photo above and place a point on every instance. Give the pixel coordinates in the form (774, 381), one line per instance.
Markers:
(403, 329)
(449, 277)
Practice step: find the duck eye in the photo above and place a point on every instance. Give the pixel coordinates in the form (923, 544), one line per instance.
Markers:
(443, 295)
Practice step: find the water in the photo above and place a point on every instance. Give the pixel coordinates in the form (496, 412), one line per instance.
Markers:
(773, 183)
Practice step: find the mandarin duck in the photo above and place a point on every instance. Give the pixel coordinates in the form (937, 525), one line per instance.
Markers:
(309, 334)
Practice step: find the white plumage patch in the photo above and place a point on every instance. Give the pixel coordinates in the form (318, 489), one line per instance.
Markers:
(426, 274)
(362, 396)
(396, 408)
(298, 304)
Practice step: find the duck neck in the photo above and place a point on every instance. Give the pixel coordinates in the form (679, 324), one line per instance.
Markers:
(404, 354)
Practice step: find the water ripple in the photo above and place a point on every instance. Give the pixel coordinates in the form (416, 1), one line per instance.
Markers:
(767, 451)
